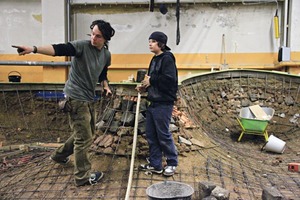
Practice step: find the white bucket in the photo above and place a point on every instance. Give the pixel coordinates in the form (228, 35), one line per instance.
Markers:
(275, 144)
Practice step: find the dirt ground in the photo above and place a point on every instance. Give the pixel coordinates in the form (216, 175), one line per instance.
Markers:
(30, 123)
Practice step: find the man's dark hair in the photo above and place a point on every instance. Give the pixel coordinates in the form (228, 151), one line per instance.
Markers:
(105, 28)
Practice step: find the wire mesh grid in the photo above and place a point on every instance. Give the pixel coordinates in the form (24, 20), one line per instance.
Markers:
(240, 167)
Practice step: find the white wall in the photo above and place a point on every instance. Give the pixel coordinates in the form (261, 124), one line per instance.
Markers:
(295, 26)
(54, 21)
(20, 23)
(246, 28)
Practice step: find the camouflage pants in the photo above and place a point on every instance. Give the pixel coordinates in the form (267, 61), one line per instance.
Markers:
(82, 123)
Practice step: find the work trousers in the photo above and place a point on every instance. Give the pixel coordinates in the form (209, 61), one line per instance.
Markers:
(82, 124)
(159, 137)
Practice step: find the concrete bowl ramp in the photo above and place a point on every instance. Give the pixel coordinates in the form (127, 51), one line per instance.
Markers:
(204, 126)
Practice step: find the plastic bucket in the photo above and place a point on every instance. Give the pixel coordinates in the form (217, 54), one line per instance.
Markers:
(170, 190)
(14, 78)
(140, 75)
(275, 144)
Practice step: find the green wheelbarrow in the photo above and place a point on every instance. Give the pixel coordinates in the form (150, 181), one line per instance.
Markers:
(251, 125)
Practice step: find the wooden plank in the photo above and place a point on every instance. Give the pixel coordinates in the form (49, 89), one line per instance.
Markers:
(197, 142)
(49, 145)
(258, 112)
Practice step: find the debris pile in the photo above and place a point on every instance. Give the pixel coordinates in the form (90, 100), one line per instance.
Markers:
(115, 128)
(221, 100)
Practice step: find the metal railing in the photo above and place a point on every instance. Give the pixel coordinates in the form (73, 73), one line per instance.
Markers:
(35, 63)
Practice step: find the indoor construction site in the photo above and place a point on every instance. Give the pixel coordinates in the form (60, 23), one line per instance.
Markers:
(205, 129)
(235, 124)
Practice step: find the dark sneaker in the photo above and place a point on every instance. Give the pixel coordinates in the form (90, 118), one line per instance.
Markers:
(62, 162)
(93, 180)
(95, 177)
(169, 170)
(148, 167)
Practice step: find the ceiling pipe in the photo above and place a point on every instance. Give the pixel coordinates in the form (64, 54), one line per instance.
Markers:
(86, 2)
(68, 13)
(34, 63)
(285, 23)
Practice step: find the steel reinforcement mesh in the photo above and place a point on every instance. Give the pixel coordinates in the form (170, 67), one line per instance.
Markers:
(30, 118)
